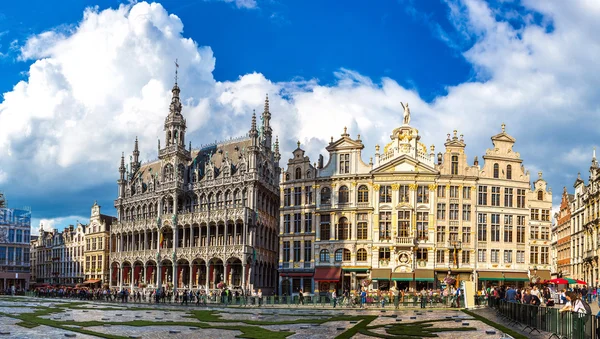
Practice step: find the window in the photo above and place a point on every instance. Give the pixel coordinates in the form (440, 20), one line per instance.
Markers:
(496, 170)
(423, 194)
(422, 225)
(11, 235)
(508, 228)
(520, 257)
(325, 227)
(347, 255)
(361, 255)
(533, 255)
(466, 257)
(508, 197)
(385, 225)
(422, 254)
(495, 196)
(308, 222)
(453, 213)
(467, 193)
(508, 172)
(19, 235)
(338, 255)
(286, 223)
(467, 212)
(307, 250)
(297, 250)
(385, 194)
(441, 233)
(403, 192)
(534, 232)
(286, 251)
(325, 196)
(287, 197)
(384, 254)
(324, 256)
(297, 222)
(540, 194)
(481, 256)
(343, 229)
(535, 214)
(481, 227)
(454, 167)
(363, 193)
(545, 215)
(441, 211)
(520, 198)
(495, 218)
(454, 192)
(520, 229)
(440, 256)
(482, 196)
(466, 235)
(362, 226)
(403, 223)
(308, 195)
(441, 191)
(344, 163)
(507, 256)
(544, 233)
(453, 233)
(298, 175)
(343, 195)
(494, 255)
(297, 196)
(544, 256)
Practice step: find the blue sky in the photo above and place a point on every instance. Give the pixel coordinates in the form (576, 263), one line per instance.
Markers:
(82, 78)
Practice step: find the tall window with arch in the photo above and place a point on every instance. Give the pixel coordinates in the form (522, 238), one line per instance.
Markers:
(363, 193)
(454, 167)
(343, 195)
(496, 171)
(343, 229)
(361, 255)
(325, 196)
(508, 172)
(324, 256)
(298, 175)
(540, 194)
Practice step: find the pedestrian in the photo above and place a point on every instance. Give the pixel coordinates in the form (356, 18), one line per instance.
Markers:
(184, 298)
(334, 298)
(300, 297)
(363, 298)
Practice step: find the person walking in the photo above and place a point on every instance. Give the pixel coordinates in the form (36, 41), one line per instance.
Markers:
(363, 298)
(334, 298)
(300, 298)
(396, 299)
(184, 298)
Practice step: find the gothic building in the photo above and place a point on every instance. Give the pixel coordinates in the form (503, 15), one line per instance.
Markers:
(198, 217)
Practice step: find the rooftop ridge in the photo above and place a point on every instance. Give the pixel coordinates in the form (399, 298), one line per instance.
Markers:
(223, 142)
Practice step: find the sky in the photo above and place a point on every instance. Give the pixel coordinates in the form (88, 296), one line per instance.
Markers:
(81, 79)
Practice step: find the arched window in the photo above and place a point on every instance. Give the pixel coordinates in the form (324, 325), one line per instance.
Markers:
(343, 229)
(540, 195)
(508, 172)
(287, 177)
(454, 169)
(363, 193)
(496, 170)
(343, 195)
(211, 201)
(180, 171)
(361, 255)
(338, 255)
(308, 175)
(219, 200)
(325, 195)
(168, 173)
(324, 256)
(237, 198)
(228, 198)
(346, 255)
(298, 173)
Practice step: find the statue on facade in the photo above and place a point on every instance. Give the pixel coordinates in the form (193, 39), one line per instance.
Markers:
(406, 115)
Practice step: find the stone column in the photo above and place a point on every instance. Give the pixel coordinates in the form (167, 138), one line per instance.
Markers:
(175, 277)
(144, 275)
(192, 244)
(191, 274)
(145, 240)
(244, 277)
(158, 275)
(120, 276)
(207, 276)
(226, 273)
(184, 237)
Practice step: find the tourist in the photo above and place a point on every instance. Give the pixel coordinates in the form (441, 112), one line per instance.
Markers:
(363, 298)
(511, 295)
(259, 294)
(300, 298)
(334, 297)
(395, 296)
(184, 298)
(423, 298)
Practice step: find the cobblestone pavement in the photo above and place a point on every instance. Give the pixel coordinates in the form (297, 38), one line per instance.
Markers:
(27, 317)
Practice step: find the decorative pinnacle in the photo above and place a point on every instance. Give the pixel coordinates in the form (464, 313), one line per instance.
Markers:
(455, 131)
(331, 142)
(594, 153)
(253, 119)
(358, 138)
(135, 149)
(345, 130)
(298, 143)
(267, 103)
(540, 174)
(503, 128)
(176, 71)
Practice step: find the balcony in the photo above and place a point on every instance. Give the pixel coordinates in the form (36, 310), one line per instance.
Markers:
(405, 240)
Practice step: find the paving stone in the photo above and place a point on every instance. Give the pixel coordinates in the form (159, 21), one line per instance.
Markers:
(193, 328)
(119, 314)
(341, 328)
(158, 318)
(398, 319)
(138, 316)
(354, 322)
(465, 324)
(104, 319)
(457, 320)
(413, 317)
(304, 327)
(174, 331)
(490, 332)
(70, 335)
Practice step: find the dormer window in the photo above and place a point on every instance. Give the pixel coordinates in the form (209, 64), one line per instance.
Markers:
(298, 173)
(540, 195)
(508, 172)
(496, 171)
(454, 168)
(344, 163)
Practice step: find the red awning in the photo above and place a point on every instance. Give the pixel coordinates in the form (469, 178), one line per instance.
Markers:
(91, 281)
(328, 273)
(292, 274)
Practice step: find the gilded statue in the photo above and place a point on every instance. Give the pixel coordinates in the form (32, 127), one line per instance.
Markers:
(406, 115)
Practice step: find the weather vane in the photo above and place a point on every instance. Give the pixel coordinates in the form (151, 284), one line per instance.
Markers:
(176, 68)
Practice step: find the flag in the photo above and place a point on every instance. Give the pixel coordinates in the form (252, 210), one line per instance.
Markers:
(160, 240)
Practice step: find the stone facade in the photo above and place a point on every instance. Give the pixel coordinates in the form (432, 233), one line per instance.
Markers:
(410, 218)
(563, 236)
(15, 228)
(195, 218)
(97, 237)
(58, 257)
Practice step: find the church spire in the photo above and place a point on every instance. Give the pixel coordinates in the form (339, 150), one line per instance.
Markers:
(277, 154)
(175, 107)
(136, 157)
(267, 131)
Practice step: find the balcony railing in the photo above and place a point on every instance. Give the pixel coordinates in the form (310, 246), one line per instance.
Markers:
(405, 240)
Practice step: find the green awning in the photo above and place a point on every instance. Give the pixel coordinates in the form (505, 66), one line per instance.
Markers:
(516, 276)
(424, 275)
(490, 275)
(402, 276)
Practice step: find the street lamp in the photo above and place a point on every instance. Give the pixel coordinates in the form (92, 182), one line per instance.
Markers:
(457, 245)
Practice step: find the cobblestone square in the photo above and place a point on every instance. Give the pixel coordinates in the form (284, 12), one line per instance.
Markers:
(25, 317)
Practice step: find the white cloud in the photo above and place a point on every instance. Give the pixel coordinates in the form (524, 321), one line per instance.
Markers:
(59, 224)
(248, 4)
(93, 87)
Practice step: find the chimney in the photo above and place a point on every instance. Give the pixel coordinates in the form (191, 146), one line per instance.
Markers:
(320, 164)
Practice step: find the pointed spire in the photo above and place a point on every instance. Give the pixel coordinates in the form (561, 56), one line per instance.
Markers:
(135, 148)
(267, 103)
(175, 107)
(594, 153)
(122, 161)
(277, 154)
(253, 131)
